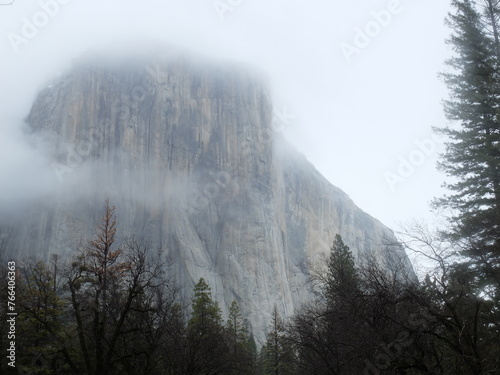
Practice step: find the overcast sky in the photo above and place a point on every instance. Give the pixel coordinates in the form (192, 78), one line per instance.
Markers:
(358, 77)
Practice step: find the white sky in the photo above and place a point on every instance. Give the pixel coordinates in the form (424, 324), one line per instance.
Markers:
(354, 120)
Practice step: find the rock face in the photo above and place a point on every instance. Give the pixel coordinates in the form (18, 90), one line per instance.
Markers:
(187, 153)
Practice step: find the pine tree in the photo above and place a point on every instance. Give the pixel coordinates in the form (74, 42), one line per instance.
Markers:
(472, 155)
(240, 343)
(340, 326)
(342, 279)
(277, 353)
(207, 316)
(208, 352)
(234, 326)
(44, 330)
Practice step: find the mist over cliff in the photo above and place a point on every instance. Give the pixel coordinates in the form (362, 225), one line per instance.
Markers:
(187, 150)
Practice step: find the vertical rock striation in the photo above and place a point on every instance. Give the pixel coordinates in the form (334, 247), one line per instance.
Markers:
(186, 151)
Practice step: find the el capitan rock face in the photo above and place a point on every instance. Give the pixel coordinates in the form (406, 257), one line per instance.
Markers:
(187, 153)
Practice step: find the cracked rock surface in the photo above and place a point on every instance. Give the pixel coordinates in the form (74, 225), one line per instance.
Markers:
(186, 152)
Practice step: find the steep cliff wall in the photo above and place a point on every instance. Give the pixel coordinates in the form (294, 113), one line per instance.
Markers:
(186, 152)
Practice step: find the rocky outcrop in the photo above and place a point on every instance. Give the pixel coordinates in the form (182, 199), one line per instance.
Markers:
(187, 153)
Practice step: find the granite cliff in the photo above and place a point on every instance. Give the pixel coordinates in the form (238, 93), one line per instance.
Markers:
(187, 152)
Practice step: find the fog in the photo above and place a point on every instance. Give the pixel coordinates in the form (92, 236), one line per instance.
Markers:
(357, 81)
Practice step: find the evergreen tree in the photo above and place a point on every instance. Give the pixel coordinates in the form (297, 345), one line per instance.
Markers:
(342, 278)
(44, 331)
(472, 158)
(241, 344)
(208, 352)
(206, 316)
(234, 326)
(472, 154)
(277, 353)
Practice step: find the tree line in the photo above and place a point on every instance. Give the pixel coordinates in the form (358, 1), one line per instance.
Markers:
(112, 309)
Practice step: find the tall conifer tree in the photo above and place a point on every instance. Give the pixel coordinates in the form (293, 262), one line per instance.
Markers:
(472, 155)
(342, 279)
